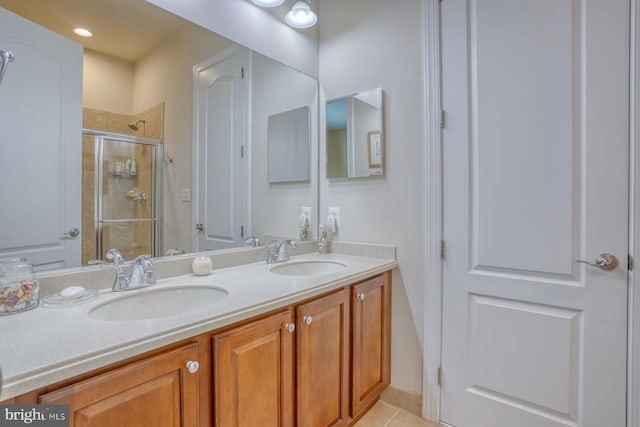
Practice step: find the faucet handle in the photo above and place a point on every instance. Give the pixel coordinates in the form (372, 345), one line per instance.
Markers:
(252, 241)
(291, 243)
(146, 263)
(283, 252)
(116, 256)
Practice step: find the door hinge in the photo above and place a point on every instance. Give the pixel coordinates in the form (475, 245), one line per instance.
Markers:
(629, 262)
(242, 231)
(442, 117)
(242, 72)
(443, 248)
(439, 375)
(242, 151)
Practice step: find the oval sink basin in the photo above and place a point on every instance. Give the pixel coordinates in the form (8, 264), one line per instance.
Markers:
(157, 303)
(308, 268)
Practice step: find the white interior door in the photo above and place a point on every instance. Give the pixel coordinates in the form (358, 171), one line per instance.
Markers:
(40, 145)
(535, 152)
(220, 165)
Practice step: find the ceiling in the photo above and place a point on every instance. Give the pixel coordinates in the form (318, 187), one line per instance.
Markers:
(126, 29)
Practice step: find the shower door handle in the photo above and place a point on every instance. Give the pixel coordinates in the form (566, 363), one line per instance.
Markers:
(72, 234)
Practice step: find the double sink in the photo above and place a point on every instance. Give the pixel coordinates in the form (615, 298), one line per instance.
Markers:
(172, 300)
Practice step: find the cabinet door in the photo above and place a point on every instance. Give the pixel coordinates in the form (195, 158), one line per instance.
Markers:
(158, 391)
(253, 373)
(371, 341)
(322, 361)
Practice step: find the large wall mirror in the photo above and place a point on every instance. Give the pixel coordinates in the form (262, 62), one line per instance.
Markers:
(131, 88)
(355, 135)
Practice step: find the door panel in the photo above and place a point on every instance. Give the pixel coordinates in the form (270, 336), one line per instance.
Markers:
(535, 178)
(506, 358)
(40, 144)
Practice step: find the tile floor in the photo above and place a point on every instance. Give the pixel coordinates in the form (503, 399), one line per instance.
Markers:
(385, 415)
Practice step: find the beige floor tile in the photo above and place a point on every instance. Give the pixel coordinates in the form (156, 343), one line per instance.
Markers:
(407, 419)
(385, 415)
(378, 416)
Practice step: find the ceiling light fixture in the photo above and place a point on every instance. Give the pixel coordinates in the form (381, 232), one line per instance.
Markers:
(83, 32)
(301, 16)
(268, 3)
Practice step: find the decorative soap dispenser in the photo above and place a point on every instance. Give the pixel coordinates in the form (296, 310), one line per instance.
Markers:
(323, 239)
(304, 227)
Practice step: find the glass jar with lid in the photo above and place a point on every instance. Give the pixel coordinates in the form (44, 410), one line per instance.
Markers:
(19, 288)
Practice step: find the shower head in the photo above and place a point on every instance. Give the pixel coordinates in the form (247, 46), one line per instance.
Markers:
(134, 126)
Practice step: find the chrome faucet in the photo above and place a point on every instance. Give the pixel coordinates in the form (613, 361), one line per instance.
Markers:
(141, 272)
(120, 283)
(278, 252)
(252, 241)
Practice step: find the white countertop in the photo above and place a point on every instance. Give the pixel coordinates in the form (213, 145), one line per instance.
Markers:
(47, 345)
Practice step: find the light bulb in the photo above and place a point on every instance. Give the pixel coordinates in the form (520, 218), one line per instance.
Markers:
(301, 16)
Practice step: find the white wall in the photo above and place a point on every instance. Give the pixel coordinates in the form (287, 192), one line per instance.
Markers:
(165, 74)
(257, 28)
(364, 44)
(107, 83)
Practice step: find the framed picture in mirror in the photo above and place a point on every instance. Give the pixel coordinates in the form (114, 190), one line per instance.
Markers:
(375, 149)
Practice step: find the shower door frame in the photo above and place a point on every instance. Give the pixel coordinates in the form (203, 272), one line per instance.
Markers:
(99, 221)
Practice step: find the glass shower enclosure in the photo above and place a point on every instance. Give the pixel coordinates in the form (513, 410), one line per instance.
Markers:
(120, 195)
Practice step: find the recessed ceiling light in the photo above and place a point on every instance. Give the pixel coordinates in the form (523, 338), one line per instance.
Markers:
(268, 3)
(83, 32)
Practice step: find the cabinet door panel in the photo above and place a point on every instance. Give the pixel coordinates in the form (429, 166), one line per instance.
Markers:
(371, 313)
(253, 374)
(157, 391)
(322, 361)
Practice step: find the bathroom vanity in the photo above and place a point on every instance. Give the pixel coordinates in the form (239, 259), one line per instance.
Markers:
(303, 346)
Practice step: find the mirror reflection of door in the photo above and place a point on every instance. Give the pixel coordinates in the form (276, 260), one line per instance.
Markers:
(220, 173)
(40, 101)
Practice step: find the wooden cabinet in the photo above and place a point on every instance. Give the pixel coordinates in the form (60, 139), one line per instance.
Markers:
(371, 341)
(319, 363)
(327, 372)
(322, 361)
(257, 383)
(158, 391)
(254, 373)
